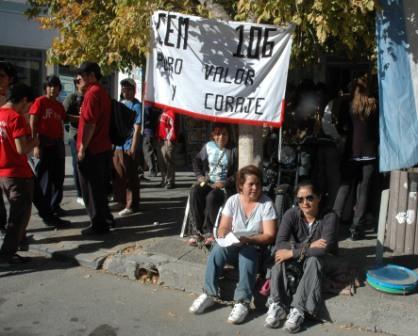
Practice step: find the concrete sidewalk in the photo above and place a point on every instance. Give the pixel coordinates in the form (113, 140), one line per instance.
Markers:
(146, 246)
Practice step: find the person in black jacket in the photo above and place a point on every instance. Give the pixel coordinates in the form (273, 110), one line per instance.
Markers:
(72, 104)
(215, 167)
(306, 236)
(361, 156)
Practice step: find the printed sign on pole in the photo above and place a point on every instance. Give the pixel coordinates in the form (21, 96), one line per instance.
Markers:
(221, 71)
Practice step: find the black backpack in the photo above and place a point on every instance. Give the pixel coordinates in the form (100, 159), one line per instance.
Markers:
(121, 123)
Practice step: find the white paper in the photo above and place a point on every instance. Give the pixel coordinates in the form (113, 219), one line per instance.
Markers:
(230, 239)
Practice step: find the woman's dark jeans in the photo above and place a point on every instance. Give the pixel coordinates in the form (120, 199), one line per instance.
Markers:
(358, 174)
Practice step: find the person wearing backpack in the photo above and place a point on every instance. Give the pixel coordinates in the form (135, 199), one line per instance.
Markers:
(125, 157)
(94, 149)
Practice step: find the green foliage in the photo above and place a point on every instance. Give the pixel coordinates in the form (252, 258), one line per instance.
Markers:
(342, 28)
(115, 33)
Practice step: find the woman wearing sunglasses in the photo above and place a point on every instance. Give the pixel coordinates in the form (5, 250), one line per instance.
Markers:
(307, 234)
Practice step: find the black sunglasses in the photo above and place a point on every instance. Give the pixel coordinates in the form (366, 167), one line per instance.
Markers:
(309, 198)
(76, 81)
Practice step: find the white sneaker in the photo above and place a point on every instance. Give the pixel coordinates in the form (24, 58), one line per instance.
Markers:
(203, 302)
(80, 201)
(238, 313)
(275, 315)
(294, 321)
(125, 212)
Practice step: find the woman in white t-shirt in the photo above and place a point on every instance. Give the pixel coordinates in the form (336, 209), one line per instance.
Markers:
(250, 215)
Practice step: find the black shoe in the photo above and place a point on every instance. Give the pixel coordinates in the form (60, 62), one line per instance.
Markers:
(25, 242)
(111, 222)
(57, 222)
(170, 186)
(18, 259)
(90, 231)
(15, 259)
(142, 178)
(60, 212)
(356, 235)
(152, 174)
(162, 184)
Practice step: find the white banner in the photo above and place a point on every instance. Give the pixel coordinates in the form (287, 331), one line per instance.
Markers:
(221, 71)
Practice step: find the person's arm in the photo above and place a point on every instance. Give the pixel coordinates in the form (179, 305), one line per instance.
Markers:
(91, 108)
(25, 144)
(34, 124)
(225, 226)
(329, 237)
(264, 238)
(88, 132)
(230, 180)
(198, 164)
(72, 108)
(135, 140)
(227, 216)
(136, 136)
(283, 248)
(285, 230)
(72, 118)
(170, 128)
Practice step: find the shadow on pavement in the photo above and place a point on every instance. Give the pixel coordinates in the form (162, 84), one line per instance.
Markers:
(36, 264)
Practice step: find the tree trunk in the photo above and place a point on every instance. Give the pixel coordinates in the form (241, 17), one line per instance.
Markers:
(250, 145)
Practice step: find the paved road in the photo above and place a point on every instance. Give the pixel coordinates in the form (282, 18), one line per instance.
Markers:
(53, 298)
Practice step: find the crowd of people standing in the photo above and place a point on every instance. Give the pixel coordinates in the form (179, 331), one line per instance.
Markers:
(32, 153)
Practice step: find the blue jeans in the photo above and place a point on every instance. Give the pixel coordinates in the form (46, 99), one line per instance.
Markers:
(246, 257)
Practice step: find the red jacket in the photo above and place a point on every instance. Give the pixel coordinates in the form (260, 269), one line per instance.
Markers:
(166, 126)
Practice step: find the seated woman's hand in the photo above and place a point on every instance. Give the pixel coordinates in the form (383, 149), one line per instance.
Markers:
(320, 243)
(244, 240)
(283, 255)
(201, 179)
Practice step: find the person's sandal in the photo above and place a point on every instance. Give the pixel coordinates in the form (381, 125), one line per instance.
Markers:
(194, 240)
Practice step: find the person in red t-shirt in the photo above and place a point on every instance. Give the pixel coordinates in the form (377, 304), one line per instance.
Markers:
(94, 149)
(7, 78)
(165, 152)
(46, 120)
(16, 177)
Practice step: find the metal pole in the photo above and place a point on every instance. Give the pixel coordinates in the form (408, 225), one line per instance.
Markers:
(279, 154)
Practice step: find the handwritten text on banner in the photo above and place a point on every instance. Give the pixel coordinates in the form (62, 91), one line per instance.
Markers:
(217, 70)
